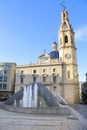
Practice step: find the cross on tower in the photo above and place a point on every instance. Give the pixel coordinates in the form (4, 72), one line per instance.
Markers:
(44, 51)
(63, 4)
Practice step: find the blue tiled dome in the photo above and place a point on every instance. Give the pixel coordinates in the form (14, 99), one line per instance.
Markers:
(54, 54)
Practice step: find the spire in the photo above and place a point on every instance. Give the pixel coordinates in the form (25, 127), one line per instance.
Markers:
(65, 33)
(65, 24)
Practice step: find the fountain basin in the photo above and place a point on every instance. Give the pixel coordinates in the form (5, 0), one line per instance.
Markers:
(61, 110)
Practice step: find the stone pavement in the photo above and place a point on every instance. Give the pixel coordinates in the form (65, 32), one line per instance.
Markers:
(19, 121)
(82, 109)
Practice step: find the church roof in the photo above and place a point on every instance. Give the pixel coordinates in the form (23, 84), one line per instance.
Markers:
(54, 54)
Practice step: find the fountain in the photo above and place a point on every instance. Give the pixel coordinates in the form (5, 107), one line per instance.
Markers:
(24, 101)
(30, 96)
(36, 98)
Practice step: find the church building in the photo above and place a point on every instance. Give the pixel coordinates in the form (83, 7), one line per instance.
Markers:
(58, 70)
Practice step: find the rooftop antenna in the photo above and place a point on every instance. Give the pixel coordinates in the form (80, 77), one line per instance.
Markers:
(63, 5)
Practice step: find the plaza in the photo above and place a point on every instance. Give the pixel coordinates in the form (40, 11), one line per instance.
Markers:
(20, 121)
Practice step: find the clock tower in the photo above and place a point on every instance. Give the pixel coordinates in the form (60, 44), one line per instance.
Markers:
(67, 54)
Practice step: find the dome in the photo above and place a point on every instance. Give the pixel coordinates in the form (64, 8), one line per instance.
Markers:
(54, 54)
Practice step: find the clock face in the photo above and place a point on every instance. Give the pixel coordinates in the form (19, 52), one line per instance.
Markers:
(68, 56)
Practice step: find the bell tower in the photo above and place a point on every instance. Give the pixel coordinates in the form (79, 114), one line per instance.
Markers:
(67, 54)
(67, 47)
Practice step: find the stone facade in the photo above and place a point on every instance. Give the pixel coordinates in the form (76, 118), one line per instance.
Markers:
(56, 70)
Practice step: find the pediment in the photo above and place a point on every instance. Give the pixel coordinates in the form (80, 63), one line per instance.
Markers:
(44, 56)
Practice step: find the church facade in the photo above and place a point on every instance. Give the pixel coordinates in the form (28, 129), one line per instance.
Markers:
(58, 70)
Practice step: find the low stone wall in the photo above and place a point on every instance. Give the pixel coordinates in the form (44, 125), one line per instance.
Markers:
(62, 110)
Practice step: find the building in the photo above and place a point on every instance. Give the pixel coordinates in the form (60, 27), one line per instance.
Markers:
(83, 91)
(56, 70)
(7, 79)
(80, 91)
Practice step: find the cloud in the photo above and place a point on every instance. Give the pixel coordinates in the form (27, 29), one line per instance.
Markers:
(81, 34)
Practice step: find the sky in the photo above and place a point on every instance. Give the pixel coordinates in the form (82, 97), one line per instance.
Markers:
(27, 27)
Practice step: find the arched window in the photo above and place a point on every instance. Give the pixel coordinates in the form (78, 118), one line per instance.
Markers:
(66, 39)
(34, 71)
(72, 40)
(54, 69)
(68, 74)
(64, 15)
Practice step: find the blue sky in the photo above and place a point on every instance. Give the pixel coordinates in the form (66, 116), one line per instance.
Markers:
(27, 27)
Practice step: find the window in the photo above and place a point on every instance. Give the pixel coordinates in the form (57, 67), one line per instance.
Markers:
(34, 71)
(68, 74)
(64, 15)
(54, 70)
(3, 75)
(5, 72)
(54, 88)
(34, 79)
(5, 66)
(0, 86)
(1, 72)
(44, 79)
(72, 40)
(22, 72)
(66, 39)
(22, 77)
(21, 80)
(1, 78)
(4, 86)
(54, 79)
(44, 70)
(5, 78)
